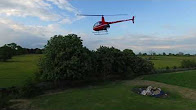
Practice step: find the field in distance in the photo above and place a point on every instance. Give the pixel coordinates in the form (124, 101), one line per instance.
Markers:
(15, 71)
(170, 61)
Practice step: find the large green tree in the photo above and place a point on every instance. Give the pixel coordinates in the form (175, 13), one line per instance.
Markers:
(65, 59)
(5, 53)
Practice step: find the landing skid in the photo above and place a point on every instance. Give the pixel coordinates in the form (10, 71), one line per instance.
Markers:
(100, 32)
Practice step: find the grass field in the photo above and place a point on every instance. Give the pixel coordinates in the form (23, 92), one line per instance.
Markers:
(110, 97)
(113, 96)
(18, 69)
(170, 61)
(185, 79)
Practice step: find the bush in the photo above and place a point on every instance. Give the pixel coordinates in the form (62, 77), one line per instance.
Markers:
(167, 68)
(30, 89)
(188, 64)
(4, 99)
(142, 67)
(175, 67)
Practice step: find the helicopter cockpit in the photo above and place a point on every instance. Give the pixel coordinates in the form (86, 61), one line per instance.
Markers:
(97, 23)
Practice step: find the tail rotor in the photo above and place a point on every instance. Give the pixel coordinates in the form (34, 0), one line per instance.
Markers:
(133, 19)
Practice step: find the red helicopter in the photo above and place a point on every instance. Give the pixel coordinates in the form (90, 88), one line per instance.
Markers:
(103, 25)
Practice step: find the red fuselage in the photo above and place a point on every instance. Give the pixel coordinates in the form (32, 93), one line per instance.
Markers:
(102, 25)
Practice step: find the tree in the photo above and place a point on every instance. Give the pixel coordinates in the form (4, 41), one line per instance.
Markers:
(139, 54)
(38, 51)
(129, 52)
(164, 54)
(144, 54)
(5, 53)
(16, 49)
(65, 59)
(180, 54)
(170, 54)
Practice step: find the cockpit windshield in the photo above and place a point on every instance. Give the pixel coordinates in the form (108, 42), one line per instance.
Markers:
(97, 23)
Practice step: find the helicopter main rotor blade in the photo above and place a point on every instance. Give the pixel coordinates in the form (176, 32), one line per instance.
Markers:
(102, 15)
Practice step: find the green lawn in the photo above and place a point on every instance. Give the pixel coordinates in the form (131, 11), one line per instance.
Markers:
(170, 61)
(185, 79)
(113, 96)
(18, 69)
(109, 97)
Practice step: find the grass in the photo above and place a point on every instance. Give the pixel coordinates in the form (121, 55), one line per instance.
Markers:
(15, 71)
(19, 68)
(109, 97)
(114, 96)
(185, 79)
(170, 61)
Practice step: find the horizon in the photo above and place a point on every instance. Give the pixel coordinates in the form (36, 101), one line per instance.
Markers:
(160, 26)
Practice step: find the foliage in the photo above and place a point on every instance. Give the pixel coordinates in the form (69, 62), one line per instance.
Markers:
(16, 49)
(142, 67)
(65, 58)
(12, 49)
(5, 53)
(30, 89)
(4, 99)
(9, 50)
(188, 64)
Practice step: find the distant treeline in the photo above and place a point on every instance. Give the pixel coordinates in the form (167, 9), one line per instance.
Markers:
(151, 53)
(12, 49)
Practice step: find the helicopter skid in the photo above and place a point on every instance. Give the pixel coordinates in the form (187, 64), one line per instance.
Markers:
(100, 32)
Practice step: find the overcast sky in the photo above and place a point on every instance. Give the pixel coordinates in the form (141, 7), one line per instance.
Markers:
(160, 25)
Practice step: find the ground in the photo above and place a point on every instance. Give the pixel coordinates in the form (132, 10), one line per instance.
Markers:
(115, 95)
(15, 71)
(184, 79)
(168, 61)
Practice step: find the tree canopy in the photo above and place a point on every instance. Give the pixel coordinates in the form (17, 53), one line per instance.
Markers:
(65, 58)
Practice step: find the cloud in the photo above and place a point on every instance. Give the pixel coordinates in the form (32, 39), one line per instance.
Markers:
(146, 43)
(42, 9)
(27, 36)
(34, 35)
(65, 5)
(23, 8)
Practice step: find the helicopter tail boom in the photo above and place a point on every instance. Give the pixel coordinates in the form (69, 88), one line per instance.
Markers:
(133, 20)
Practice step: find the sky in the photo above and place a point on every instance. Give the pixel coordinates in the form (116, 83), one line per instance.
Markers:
(160, 25)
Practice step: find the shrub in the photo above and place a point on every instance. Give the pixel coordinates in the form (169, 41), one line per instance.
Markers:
(142, 67)
(188, 64)
(167, 68)
(175, 67)
(4, 99)
(30, 89)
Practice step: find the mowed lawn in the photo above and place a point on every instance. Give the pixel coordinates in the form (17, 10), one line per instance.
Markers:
(170, 61)
(185, 79)
(117, 96)
(15, 71)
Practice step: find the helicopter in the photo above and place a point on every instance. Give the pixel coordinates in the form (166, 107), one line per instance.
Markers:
(103, 26)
